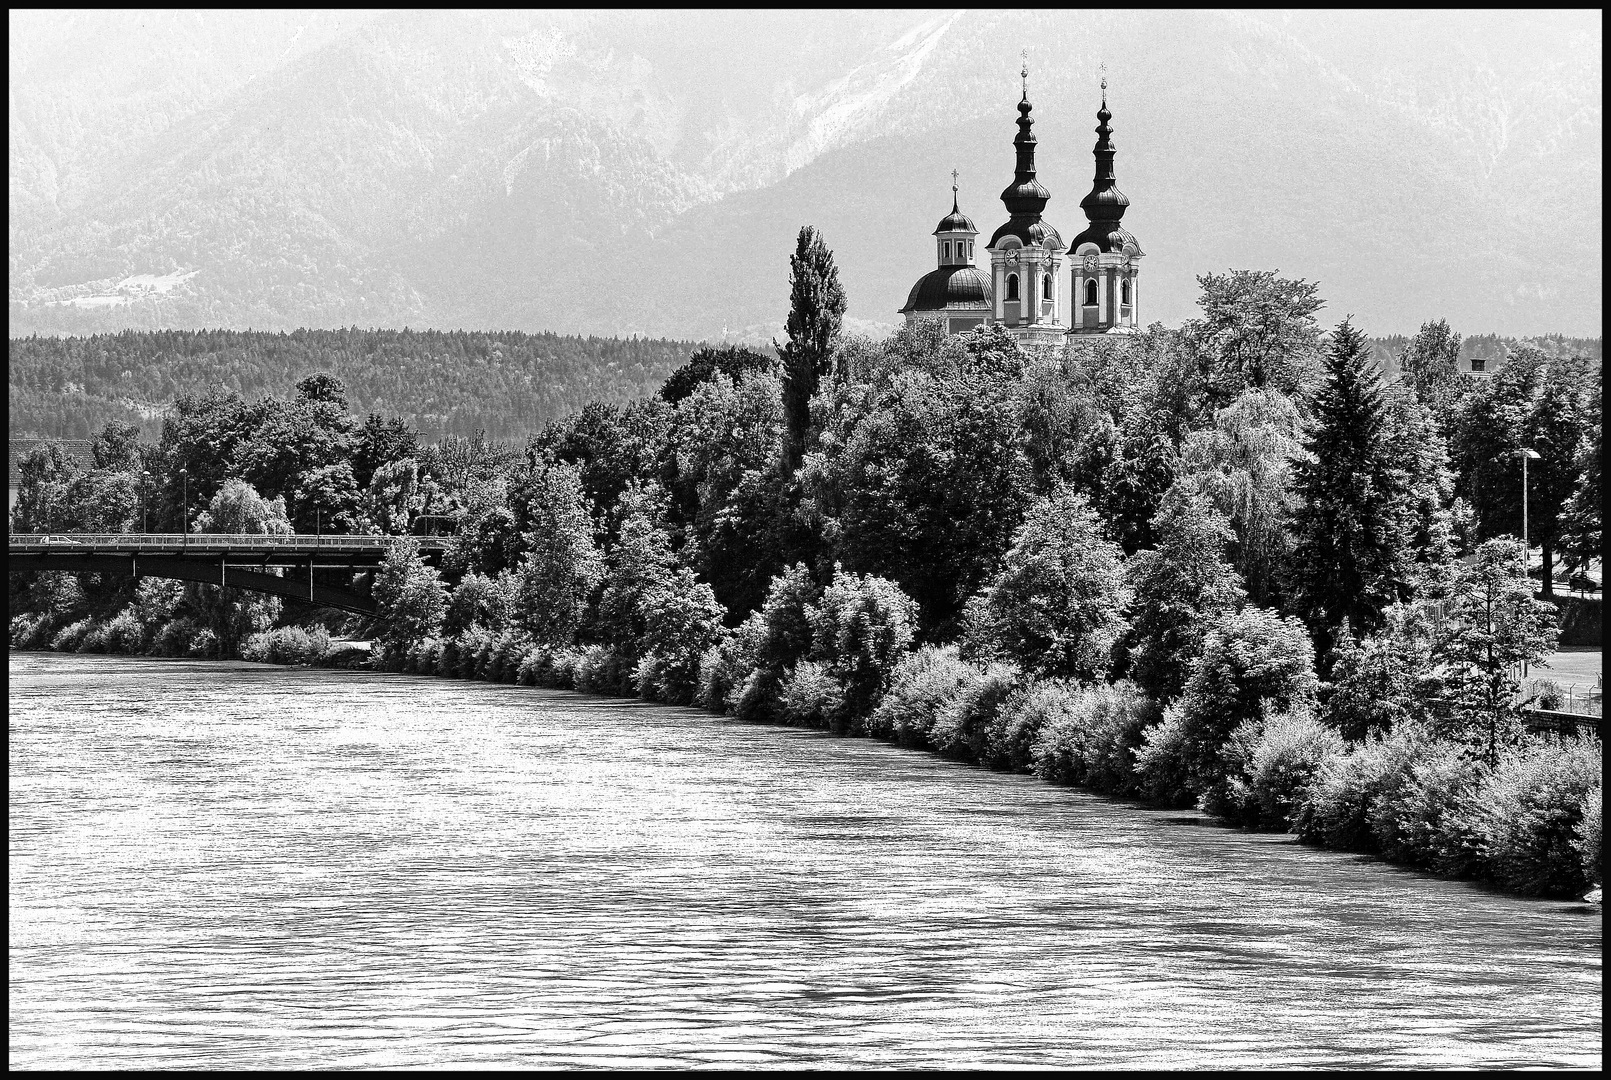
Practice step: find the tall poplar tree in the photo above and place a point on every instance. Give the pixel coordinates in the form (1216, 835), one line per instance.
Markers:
(1352, 522)
(816, 310)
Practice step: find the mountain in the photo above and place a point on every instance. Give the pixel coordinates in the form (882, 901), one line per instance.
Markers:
(646, 172)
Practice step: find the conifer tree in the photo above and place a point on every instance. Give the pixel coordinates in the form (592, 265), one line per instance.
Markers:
(816, 310)
(1350, 559)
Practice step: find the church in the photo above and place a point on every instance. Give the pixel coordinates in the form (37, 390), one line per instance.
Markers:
(1023, 287)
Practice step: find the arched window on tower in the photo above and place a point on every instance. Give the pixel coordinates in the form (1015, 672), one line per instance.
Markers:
(1012, 286)
(946, 247)
(970, 249)
(1090, 292)
(1046, 287)
(1124, 292)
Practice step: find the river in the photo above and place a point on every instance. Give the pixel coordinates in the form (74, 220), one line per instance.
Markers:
(220, 865)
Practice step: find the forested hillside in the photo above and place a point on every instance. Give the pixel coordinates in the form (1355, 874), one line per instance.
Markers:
(505, 383)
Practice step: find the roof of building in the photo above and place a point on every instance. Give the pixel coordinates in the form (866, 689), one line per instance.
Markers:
(77, 449)
(950, 286)
(1108, 237)
(956, 220)
(1029, 231)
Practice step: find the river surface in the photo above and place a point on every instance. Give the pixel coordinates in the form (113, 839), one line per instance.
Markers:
(238, 866)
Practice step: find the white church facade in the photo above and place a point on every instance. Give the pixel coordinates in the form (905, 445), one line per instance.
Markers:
(1041, 289)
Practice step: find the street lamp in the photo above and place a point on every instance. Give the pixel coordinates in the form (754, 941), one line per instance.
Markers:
(184, 510)
(1525, 454)
(145, 501)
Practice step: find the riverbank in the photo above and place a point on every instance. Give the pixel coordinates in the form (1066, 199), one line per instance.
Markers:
(1530, 823)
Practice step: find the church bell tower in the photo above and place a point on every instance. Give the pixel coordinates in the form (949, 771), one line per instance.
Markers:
(1105, 258)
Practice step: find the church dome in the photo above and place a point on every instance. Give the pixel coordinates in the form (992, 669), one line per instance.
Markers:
(950, 286)
(955, 221)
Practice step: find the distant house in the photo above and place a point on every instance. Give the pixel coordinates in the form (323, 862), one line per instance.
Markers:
(77, 449)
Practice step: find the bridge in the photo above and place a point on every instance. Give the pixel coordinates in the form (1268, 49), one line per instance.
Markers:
(238, 560)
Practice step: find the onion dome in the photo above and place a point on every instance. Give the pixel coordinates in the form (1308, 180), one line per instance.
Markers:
(950, 286)
(1025, 198)
(1105, 205)
(956, 220)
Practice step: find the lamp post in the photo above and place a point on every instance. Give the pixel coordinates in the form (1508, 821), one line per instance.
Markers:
(1525, 454)
(184, 510)
(145, 501)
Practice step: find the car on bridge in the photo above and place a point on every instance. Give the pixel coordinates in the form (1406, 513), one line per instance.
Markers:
(59, 540)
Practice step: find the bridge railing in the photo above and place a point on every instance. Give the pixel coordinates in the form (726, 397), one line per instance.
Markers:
(207, 541)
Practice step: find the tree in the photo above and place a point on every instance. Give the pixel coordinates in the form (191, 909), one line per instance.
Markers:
(45, 474)
(1430, 366)
(323, 388)
(816, 310)
(1180, 587)
(719, 471)
(859, 629)
(611, 448)
(1244, 462)
(117, 448)
(922, 481)
(1533, 403)
(488, 539)
(381, 442)
(1583, 521)
(1352, 523)
(393, 498)
(776, 638)
(1386, 680)
(1254, 664)
(1056, 608)
(1493, 626)
(233, 615)
(1257, 331)
(237, 508)
(706, 364)
(640, 561)
(478, 601)
(410, 599)
(200, 436)
(681, 621)
(560, 566)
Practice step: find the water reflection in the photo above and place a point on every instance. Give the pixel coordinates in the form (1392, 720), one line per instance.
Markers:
(236, 866)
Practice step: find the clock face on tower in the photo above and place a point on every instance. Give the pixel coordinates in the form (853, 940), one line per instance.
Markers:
(1090, 264)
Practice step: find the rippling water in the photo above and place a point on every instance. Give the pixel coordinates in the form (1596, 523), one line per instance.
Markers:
(229, 865)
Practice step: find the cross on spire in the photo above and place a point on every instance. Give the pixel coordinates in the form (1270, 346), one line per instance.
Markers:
(1024, 72)
(1104, 83)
